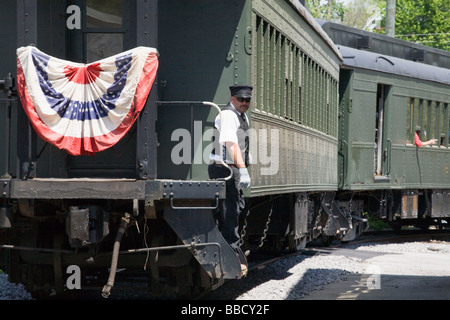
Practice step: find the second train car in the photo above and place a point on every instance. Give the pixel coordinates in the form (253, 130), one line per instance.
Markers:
(391, 91)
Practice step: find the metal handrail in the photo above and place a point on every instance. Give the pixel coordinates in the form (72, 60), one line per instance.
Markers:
(206, 103)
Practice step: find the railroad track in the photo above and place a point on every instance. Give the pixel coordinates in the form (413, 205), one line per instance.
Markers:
(387, 236)
(259, 260)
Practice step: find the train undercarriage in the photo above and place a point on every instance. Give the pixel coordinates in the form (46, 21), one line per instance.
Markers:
(420, 208)
(174, 244)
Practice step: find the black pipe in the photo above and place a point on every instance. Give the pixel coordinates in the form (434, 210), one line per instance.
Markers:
(115, 258)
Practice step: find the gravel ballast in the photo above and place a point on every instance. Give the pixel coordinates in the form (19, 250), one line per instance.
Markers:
(287, 279)
(296, 276)
(12, 291)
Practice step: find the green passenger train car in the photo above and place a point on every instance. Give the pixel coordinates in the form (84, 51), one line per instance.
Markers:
(293, 67)
(391, 90)
(295, 77)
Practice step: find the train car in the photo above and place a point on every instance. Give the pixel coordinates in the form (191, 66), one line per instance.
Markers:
(391, 90)
(140, 198)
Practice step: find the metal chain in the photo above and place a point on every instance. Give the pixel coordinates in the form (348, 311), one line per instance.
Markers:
(243, 232)
(264, 235)
(261, 241)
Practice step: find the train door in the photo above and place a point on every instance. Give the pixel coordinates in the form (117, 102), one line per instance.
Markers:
(382, 140)
(105, 29)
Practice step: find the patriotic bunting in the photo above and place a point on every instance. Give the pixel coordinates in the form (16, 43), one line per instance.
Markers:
(84, 108)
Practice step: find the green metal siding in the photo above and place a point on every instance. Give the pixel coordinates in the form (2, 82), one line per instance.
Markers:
(207, 46)
(406, 166)
(203, 49)
(296, 101)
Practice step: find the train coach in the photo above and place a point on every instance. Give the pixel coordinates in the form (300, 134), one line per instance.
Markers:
(390, 91)
(105, 179)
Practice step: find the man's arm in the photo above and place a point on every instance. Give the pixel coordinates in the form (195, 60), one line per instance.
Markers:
(236, 154)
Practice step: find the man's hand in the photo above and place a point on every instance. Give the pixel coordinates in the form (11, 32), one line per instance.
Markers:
(244, 183)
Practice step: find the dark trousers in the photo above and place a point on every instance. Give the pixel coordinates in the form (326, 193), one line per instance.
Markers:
(230, 209)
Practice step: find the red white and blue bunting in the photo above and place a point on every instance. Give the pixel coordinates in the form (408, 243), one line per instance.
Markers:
(84, 108)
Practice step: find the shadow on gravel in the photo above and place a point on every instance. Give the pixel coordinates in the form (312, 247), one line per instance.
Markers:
(284, 279)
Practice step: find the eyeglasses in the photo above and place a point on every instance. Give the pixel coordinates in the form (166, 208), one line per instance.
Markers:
(244, 99)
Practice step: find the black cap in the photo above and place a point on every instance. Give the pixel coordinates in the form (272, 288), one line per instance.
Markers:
(241, 91)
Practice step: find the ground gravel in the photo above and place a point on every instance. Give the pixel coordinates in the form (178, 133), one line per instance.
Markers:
(294, 277)
(288, 279)
(418, 247)
(12, 291)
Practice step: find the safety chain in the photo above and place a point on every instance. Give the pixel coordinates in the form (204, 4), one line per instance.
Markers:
(261, 241)
(243, 232)
(264, 235)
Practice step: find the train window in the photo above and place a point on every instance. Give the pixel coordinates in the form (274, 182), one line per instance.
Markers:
(416, 117)
(381, 134)
(443, 128)
(433, 130)
(424, 106)
(448, 122)
(438, 124)
(104, 13)
(410, 124)
(307, 93)
(104, 29)
(327, 110)
(102, 45)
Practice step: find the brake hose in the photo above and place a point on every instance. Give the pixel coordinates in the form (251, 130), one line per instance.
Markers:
(115, 256)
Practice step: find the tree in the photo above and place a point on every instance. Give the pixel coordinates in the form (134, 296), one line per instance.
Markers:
(331, 10)
(423, 21)
(362, 14)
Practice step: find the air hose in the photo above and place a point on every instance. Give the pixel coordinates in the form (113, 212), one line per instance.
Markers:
(115, 256)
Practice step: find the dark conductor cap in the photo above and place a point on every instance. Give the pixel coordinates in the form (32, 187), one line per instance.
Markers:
(241, 91)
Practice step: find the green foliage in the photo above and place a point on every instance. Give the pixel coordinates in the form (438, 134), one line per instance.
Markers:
(377, 224)
(425, 22)
(331, 10)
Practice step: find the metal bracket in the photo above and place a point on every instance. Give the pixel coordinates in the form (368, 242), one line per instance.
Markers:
(5, 186)
(193, 190)
(199, 208)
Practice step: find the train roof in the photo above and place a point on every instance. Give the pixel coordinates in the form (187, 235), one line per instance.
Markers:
(303, 12)
(380, 43)
(374, 61)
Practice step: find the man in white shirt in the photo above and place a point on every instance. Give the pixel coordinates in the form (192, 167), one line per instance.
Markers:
(233, 149)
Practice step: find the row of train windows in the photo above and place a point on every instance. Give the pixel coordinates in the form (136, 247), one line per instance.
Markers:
(432, 118)
(290, 84)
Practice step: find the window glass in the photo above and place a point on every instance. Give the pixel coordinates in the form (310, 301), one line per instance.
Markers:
(425, 108)
(104, 13)
(103, 45)
(433, 124)
(409, 120)
(448, 128)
